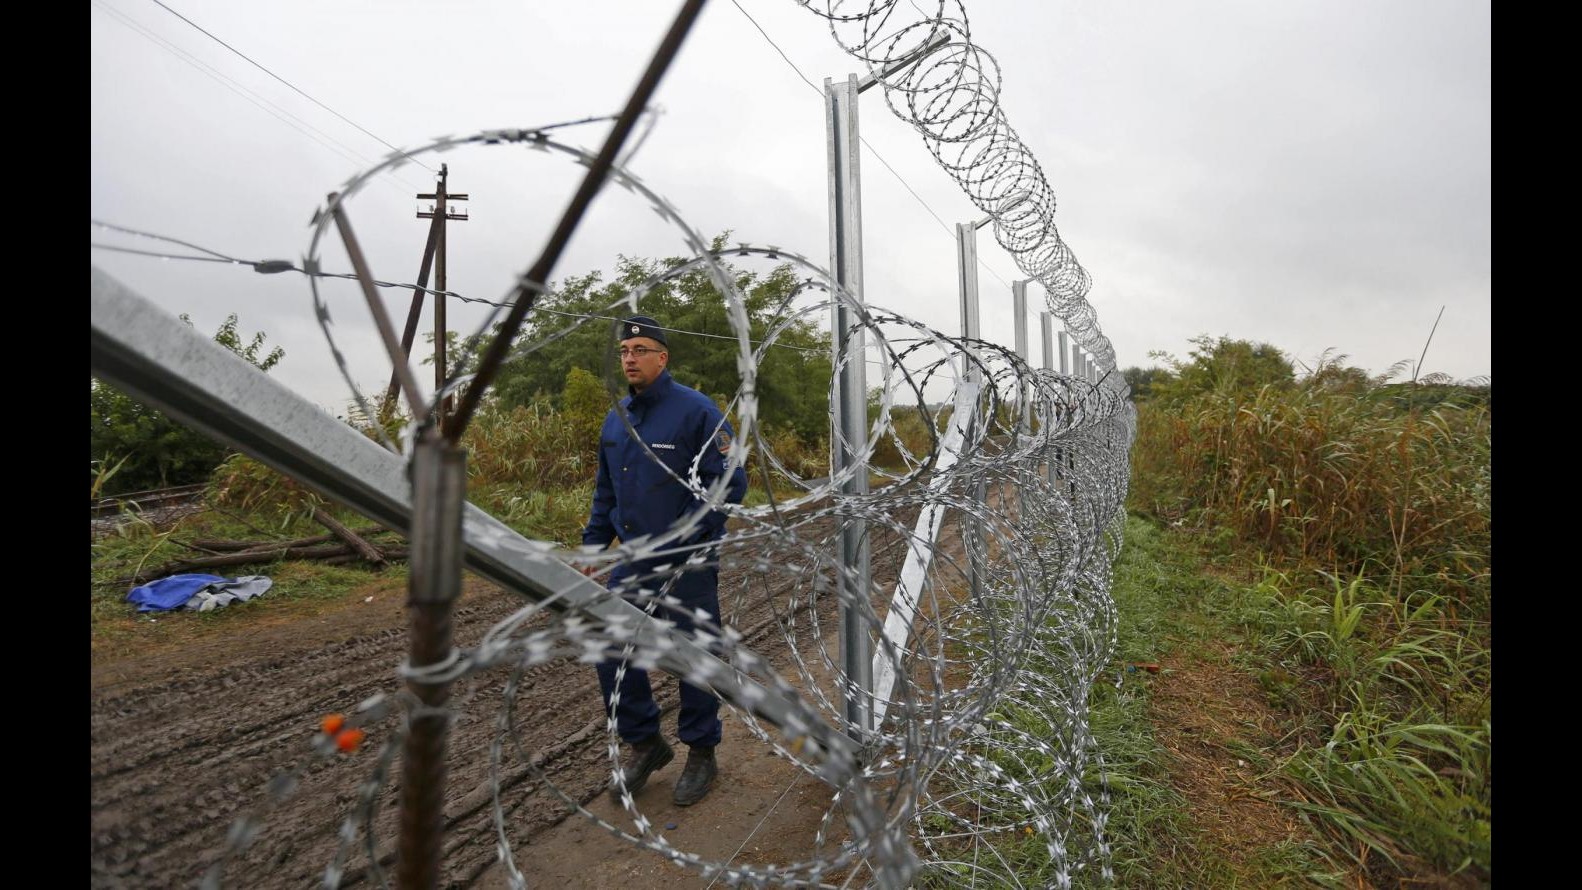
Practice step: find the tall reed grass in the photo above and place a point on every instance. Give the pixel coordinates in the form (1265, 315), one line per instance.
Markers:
(1368, 510)
(1337, 478)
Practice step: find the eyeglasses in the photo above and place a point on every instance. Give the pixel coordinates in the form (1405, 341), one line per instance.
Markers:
(636, 351)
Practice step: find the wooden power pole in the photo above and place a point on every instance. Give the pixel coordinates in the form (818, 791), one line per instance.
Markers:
(440, 212)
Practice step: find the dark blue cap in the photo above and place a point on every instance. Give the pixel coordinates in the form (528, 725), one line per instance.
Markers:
(641, 326)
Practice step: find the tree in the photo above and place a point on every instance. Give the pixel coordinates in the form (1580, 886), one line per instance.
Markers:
(793, 380)
(584, 402)
(149, 449)
(1224, 366)
(1143, 380)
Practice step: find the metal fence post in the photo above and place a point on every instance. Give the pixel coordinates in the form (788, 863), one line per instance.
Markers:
(967, 278)
(1065, 353)
(439, 488)
(1047, 325)
(851, 390)
(1019, 308)
(1025, 422)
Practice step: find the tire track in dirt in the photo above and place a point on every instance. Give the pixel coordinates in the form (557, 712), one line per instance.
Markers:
(175, 758)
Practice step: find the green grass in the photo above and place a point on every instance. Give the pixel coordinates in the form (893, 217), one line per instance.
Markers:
(1358, 519)
(1166, 603)
(1390, 700)
(116, 626)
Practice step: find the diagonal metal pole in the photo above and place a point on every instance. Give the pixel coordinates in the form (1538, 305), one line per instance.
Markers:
(527, 289)
(376, 306)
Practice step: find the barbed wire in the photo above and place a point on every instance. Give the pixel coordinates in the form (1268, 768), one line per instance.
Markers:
(277, 266)
(1001, 487)
(950, 95)
(866, 144)
(1014, 592)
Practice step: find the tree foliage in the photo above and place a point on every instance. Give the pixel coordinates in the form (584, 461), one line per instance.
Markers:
(1142, 380)
(794, 375)
(1224, 366)
(145, 448)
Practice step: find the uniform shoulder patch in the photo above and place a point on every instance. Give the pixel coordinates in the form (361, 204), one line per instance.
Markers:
(722, 441)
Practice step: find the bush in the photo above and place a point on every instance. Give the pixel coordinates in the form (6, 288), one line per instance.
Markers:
(148, 449)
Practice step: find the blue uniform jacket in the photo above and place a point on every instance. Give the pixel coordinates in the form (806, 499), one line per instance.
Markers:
(634, 496)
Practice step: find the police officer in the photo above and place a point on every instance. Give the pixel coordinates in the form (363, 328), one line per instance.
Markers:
(636, 497)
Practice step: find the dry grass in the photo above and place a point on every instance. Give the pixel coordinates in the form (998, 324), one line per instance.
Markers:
(1212, 720)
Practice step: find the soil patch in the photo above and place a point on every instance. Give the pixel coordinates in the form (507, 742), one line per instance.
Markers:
(1211, 719)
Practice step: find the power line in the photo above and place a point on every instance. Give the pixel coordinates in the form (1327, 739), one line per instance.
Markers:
(280, 114)
(293, 86)
(875, 152)
(269, 267)
(276, 266)
(777, 48)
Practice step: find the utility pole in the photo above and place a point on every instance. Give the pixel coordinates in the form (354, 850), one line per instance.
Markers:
(440, 212)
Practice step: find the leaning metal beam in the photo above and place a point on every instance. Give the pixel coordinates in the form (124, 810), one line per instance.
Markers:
(919, 554)
(139, 349)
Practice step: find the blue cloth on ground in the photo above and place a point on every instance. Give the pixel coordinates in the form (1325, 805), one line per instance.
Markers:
(198, 593)
(169, 593)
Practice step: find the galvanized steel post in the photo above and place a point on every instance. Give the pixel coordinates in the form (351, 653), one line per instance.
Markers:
(1019, 307)
(1065, 353)
(1025, 424)
(850, 431)
(1047, 325)
(967, 278)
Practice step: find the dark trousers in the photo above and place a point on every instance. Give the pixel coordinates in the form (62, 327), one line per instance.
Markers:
(637, 716)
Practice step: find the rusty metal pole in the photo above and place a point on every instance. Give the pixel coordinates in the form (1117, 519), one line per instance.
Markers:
(439, 487)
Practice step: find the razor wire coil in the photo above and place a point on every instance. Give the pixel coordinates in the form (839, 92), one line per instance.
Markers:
(1025, 470)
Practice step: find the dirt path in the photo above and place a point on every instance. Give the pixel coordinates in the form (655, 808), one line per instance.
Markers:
(1212, 720)
(185, 739)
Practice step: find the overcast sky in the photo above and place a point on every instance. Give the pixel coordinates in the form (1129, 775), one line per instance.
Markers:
(1310, 174)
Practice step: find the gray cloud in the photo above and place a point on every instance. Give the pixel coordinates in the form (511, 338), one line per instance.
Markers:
(1309, 174)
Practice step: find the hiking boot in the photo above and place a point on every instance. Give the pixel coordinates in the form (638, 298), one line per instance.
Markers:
(647, 756)
(696, 777)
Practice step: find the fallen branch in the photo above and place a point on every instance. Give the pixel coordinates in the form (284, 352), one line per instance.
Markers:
(330, 554)
(368, 551)
(235, 559)
(395, 555)
(229, 546)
